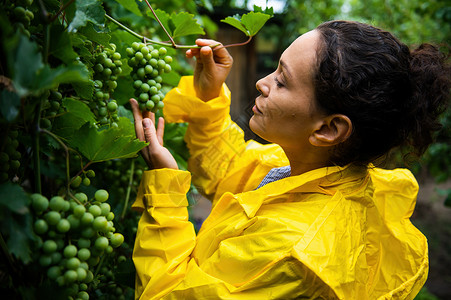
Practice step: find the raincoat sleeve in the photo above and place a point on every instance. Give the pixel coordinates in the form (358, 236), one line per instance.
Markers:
(220, 159)
(167, 269)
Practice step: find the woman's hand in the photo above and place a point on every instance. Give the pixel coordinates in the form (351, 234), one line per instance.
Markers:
(212, 67)
(155, 155)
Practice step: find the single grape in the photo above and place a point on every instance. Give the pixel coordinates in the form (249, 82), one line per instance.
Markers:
(112, 106)
(70, 251)
(56, 257)
(87, 218)
(76, 182)
(57, 203)
(53, 272)
(70, 276)
(72, 263)
(88, 232)
(79, 210)
(95, 210)
(86, 181)
(91, 173)
(63, 225)
(84, 254)
(84, 243)
(49, 246)
(45, 260)
(101, 243)
(52, 217)
(100, 223)
(40, 226)
(101, 195)
(74, 221)
(39, 202)
(168, 59)
(105, 209)
(81, 274)
(116, 240)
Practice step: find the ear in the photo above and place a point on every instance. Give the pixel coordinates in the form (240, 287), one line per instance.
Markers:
(333, 130)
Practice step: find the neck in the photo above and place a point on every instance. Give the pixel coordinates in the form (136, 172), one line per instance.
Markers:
(302, 162)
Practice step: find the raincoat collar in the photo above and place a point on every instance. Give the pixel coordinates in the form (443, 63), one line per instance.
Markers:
(325, 181)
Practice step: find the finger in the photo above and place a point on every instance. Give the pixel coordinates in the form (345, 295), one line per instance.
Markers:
(220, 55)
(190, 53)
(139, 128)
(160, 130)
(206, 57)
(152, 117)
(150, 134)
(206, 42)
(138, 119)
(146, 114)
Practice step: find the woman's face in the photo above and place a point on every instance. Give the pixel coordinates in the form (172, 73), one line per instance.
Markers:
(285, 111)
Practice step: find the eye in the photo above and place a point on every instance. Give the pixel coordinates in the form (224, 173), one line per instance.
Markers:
(278, 83)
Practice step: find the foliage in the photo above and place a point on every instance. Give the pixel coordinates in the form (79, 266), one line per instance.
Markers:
(68, 142)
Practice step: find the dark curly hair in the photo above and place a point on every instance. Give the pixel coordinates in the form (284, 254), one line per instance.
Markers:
(393, 96)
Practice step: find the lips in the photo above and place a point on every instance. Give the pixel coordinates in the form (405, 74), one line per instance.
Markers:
(256, 110)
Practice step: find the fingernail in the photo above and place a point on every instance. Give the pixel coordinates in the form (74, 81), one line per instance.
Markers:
(146, 123)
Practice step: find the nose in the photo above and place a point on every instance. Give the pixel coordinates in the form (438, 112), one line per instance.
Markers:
(262, 87)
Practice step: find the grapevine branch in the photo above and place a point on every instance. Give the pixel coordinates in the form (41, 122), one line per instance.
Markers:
(129, 187)
(66, 149)
(159, 22)
(172, 43)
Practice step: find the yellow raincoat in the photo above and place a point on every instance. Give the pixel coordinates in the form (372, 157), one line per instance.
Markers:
(331, 233)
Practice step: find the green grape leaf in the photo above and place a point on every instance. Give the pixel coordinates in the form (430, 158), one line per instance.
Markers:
(249, 23)
(268, 10)
(124, 90)
(79, 44)
(106, 144)
(10, 104)
(185, 24)
(235, 21)
(131, 6)
(32, 76)
(61, 46)
(15, 220)
(84, 90)
(76, 115)
(96, 34)
(87, 11)
(14, 198)
(163, 16)
(180, 24)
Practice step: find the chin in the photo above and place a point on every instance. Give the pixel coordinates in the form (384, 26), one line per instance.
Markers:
(255, 128)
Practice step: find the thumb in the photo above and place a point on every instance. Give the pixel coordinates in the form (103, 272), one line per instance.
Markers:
(150, 132)
(206, 56)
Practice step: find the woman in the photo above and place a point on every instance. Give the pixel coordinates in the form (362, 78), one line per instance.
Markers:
(306, 216)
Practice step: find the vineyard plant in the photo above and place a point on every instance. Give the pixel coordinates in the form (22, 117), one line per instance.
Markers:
(69, 156)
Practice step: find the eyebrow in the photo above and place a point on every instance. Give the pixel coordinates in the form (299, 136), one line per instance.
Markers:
(285, 67)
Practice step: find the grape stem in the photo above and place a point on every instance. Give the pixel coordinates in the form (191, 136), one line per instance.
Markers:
(129, 187)
(36, 149)
(159, 22)
(172, 44)
(66, 149)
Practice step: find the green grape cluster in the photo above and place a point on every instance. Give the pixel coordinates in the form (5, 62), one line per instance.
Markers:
(52, 106)
(119, 171)
(107, 67)
(84, 179)
(9, 156)
(148, 65)
(19, 14)
(73, 236)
